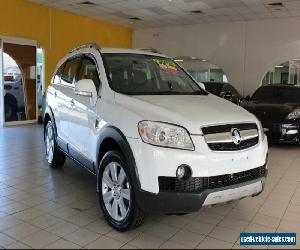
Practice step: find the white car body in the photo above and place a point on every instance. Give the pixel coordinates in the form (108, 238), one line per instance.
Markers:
(75, 118)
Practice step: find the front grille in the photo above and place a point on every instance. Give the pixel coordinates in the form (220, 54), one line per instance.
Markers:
(224, 141)
(230, 146)
(198, 184)
(226, 128)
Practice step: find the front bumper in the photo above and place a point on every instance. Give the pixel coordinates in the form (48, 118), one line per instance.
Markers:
(155, 162)
(171, 202)
(285, 132)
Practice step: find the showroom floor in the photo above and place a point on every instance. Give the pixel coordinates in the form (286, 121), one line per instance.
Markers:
(46, 208)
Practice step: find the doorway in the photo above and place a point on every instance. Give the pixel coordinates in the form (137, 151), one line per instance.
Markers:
(18, 67)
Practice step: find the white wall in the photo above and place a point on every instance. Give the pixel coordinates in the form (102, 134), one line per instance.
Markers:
(245, 50)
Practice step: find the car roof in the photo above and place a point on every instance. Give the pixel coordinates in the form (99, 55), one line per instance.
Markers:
(95, 46)
(282, 86)
(108, 50)
(275, 88)
(130, 51)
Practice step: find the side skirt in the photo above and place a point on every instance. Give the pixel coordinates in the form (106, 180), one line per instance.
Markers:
(76, 156)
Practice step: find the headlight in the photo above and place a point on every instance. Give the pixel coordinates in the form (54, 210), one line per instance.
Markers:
(261, 131)
(295, 114)
(165, 135)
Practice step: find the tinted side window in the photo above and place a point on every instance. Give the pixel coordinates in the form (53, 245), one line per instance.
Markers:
(70, 70)
(265, 94)
(89, 70)
(214, 88)
(56, 78)
(277, 94)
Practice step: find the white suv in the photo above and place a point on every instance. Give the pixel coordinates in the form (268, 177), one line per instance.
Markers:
(155, 139)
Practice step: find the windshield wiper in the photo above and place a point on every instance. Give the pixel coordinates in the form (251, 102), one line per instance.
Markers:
(168, 92)
(198, 92)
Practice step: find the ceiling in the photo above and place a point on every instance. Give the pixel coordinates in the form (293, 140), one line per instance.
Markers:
(157, 13)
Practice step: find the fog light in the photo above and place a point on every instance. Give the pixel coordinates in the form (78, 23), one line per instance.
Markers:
(183, 172)
(180, 172)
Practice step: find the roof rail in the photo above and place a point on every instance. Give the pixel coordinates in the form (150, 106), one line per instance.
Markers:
(150, 50)
(86, 46)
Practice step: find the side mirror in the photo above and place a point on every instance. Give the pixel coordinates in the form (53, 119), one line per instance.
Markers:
(201, 85)
(247, 98)
(86, 87)
(226, 95)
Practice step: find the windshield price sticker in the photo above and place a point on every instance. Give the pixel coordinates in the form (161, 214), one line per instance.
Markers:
(167, 67)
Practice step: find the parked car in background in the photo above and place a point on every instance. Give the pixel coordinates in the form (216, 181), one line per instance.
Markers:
(278, 109)
(13, 96)
(224, 90)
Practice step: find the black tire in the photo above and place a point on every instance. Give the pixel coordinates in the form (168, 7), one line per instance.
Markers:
(135, 216)
(11, 109)
(57, 158)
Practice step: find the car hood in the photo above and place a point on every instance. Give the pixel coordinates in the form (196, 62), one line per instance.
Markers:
(189, 111)
(271, 112)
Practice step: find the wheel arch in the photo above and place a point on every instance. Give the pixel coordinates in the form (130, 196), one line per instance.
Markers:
(112, 138)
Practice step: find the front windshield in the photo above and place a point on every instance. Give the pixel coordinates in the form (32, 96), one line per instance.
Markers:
(135, 74)
(277, 94)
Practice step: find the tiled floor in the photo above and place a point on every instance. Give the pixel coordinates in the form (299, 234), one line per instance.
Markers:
(46, 208)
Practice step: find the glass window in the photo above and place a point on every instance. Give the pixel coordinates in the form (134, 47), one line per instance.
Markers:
(287, 73)
(213, 87)
(89, 70)
(134, 74)
(202, 70)
(19, 73)
(70, 70)
(265, 94)
(277, 94)
(56, 78)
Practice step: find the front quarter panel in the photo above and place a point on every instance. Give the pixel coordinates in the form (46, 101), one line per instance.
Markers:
(123, 118)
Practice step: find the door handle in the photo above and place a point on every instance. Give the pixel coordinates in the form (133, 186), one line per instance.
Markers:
(72, 102)
(55, 94)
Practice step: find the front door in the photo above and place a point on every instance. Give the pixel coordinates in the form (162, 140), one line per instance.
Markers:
(65, 98)
(84, 117)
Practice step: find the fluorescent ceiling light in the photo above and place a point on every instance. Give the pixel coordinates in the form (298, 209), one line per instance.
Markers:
(178, 60)
(279, 66)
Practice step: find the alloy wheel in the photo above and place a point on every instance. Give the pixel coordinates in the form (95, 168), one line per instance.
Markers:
(49, 144)
(116, 191)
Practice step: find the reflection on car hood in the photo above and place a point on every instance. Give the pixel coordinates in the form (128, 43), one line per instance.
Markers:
(270, 112)
(190, 111)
